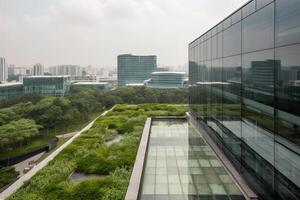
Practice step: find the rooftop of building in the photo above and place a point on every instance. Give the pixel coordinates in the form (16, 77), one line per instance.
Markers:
(169, 72)
(90, 83)
(10, 84)
(48, 76)
(136, 55)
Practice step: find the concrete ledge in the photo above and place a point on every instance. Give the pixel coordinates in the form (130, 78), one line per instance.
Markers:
(137, 172)
(248, 193)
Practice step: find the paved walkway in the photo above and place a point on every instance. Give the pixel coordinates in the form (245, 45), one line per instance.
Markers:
(25, 163)
(67, 135)
(19, 183)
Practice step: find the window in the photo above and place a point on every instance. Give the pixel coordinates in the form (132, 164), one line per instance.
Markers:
(258, 77)
(232, 40)
(287, 21)
(220, 45)
(262, 3)
(258, 30)
(236, 17)
(287, 91)
(214, 46)
(248, 9)
(227, 23)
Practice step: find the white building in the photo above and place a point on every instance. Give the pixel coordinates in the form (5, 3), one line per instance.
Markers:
(38, 69)
(71, 70)
(3, 70)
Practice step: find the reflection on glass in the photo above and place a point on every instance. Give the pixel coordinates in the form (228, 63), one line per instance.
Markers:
(180, 165)
(232, 40)
(259, 28)
(287, 22)
(288, 92)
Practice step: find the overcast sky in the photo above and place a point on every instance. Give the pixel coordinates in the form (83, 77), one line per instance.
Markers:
(94, 32)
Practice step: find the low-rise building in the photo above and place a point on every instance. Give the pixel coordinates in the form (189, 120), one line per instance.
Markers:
(166, 79)
(47, 85)
(95, 85)
(8, 90)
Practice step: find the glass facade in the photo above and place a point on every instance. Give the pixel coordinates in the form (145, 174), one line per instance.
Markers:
(135, 69)
(47, 85)
(9, 90)
(166, 80)
(248, 93)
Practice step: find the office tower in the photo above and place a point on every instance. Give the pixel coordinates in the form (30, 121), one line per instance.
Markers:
(134, 69)
(70, 70)
(3, 70)
(249, 104)
(38, 69)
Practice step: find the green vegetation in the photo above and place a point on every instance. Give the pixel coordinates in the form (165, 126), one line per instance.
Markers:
(29, 121)
(7, 175)
(90, 154)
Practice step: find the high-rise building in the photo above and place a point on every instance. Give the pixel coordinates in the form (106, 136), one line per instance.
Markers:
(134, 69)
(38, 69)
(70, 70)
(249, 101)
(3, 70)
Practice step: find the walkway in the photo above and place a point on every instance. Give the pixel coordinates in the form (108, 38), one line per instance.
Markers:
(19, 183)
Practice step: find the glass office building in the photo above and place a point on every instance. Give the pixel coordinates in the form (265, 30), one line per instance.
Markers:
(247, 93)
(9, 90)
(166, 80)
(135, 69)
(47, 85)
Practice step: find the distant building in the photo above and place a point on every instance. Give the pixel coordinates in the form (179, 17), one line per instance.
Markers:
(8, 90)
(38, 69)
(11, 70)
(166, 80)
(70, 70)
(47, 85)
(3, 70)
(135, 69)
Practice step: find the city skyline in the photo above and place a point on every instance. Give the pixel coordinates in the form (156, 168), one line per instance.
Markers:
(88, 32)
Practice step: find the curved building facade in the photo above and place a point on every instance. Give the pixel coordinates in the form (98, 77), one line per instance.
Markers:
(166, 80)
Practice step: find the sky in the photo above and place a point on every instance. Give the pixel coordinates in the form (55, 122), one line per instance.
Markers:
(94, 32)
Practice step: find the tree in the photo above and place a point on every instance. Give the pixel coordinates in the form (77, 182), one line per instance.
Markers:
(16, 132)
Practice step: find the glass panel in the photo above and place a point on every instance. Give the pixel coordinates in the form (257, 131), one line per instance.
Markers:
(204, 50)
(288, 92)
(231, 78)
(231, 107)
(248, 9)
(236, 17)
(262, 3)
(220, 45)
(214, 31)
(287, 22)
(258, 30)
(180, 165)
(220, 27)
(232, 40)
(227, 23)
(258, 115)
(208, 55)
(201, 52)
(214, 47)
(216, 89)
